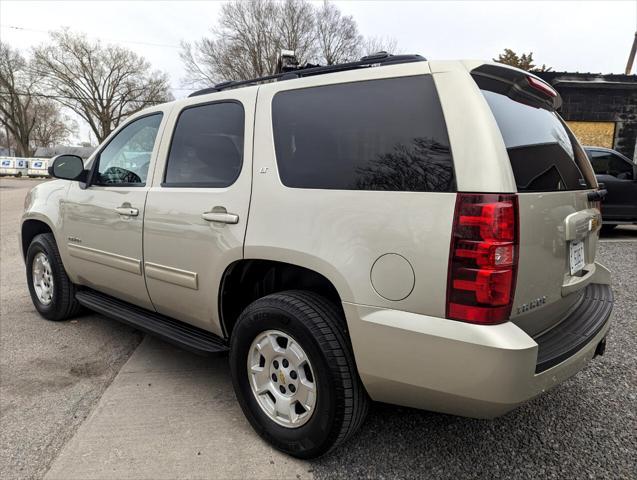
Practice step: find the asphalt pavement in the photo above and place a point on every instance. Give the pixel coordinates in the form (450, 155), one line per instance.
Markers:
(169, 414)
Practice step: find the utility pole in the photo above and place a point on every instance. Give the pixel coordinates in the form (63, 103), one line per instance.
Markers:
(631, 56)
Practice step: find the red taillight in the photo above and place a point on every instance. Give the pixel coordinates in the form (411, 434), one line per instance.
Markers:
(483, 259)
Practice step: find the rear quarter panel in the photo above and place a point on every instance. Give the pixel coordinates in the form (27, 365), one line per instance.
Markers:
(341, 233)
(479, 155)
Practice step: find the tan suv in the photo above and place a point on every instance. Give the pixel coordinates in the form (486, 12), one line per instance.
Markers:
(412, 232)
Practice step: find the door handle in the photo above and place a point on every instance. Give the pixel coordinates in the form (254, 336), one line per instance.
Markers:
(220, 215)
(127, 211)
(597, 195)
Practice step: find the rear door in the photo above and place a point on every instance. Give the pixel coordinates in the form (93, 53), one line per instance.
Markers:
(618, 176)
(559, 225)
(197, 210)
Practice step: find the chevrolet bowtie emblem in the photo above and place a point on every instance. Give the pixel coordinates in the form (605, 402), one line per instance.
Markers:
(282, 378)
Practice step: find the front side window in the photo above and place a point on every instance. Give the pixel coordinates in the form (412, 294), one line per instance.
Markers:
(606, 163)
(386, 134)
(207, 146)
(126, 158)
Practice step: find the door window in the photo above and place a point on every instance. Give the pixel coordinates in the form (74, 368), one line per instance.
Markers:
(605, 163)
(207, 146)
(126, 158)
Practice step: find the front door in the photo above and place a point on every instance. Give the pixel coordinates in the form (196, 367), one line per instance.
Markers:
(103, 222)
(197, 210)
(618, 176)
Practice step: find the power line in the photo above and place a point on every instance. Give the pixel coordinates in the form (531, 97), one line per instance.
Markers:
(65, 97)
(112, 40)
(151, 44)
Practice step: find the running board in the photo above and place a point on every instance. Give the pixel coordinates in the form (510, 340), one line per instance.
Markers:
(183, 335)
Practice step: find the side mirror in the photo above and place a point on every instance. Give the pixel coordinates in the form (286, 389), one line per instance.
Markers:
(68, 167)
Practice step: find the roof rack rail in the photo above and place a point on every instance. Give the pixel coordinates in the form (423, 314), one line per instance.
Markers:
(374, 60)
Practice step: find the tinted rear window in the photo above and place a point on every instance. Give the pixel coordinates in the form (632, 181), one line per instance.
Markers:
(541, 149)
(385, 134)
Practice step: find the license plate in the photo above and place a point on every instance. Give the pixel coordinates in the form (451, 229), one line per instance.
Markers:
(576, 256)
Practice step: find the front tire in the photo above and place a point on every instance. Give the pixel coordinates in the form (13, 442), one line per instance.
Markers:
(292, 348)
(52, 292)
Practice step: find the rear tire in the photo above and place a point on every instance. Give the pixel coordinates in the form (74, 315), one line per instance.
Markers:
(316, 328)
(52, 293)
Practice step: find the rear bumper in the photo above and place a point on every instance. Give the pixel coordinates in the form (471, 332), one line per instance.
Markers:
(582, 324)
(471, 370)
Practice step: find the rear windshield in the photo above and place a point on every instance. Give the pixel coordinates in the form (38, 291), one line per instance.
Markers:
(541, 149)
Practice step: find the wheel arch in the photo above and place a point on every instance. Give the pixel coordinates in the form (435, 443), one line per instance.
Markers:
(247, 280)
(29, 229)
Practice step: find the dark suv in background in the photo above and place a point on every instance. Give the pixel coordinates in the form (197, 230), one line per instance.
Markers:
(619, 174)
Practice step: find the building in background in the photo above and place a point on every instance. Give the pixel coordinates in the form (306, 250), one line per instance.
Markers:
(600, 109)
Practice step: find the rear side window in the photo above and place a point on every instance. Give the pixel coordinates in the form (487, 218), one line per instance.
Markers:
(385, 134)
(540, 147)
(207, 146)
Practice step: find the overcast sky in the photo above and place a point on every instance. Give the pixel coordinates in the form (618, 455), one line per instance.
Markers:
(584, 36)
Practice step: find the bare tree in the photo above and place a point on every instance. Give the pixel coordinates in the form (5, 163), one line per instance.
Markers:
(52, 126)
(243, 46)
(420, 166)
(337, 35)
(296, 29)
(7, 141)
(18, 112)
(248, 40)
(102, 84)
(379, 44)
(250, 35)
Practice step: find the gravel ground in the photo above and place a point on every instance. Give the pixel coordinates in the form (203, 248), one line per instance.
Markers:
(584, 428)
(51, 374)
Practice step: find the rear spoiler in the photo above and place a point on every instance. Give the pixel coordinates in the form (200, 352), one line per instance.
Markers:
(518, 85)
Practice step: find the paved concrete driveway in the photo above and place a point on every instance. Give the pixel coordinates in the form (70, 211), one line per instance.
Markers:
(169, 414)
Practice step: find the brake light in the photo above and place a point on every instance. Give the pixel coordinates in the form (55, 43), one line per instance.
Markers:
(483, 259)
(540, 86)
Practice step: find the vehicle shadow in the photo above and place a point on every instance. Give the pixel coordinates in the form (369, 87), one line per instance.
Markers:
(621, 232)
